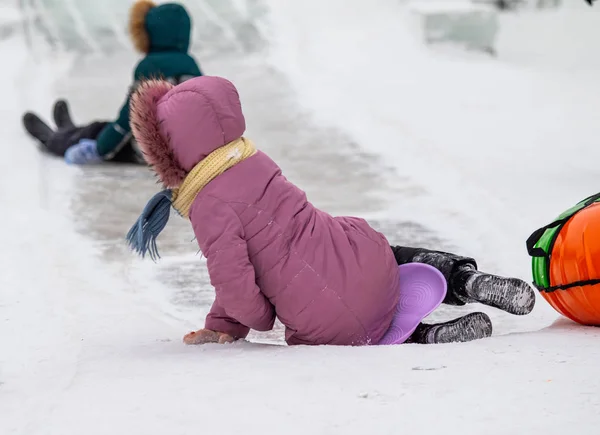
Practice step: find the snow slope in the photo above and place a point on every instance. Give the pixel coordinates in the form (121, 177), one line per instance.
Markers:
(502, 145)
(86, 345)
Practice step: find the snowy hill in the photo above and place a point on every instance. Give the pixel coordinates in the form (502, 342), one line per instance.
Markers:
(435, 147)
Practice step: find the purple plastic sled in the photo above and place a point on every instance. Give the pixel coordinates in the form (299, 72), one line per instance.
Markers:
(422, 290)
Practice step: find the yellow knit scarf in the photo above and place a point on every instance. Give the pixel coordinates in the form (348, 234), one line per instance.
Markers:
(210, 167)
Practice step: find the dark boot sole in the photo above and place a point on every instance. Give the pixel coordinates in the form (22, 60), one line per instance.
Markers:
(471, 327)
(36, 127)
(507, 294)
(61, 115)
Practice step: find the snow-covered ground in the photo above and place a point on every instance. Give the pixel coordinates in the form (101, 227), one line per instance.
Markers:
(505, 143)
(436, 148)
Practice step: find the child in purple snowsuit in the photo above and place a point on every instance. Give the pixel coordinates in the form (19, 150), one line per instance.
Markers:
(270, 252)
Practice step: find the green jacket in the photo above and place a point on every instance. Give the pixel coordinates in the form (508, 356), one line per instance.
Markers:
(169, 28)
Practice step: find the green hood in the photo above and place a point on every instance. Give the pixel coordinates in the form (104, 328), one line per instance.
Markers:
(169, 27)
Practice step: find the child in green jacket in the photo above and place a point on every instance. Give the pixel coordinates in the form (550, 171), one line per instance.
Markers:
(162, 33)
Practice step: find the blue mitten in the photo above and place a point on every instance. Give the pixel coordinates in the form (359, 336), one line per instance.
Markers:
(83, 153)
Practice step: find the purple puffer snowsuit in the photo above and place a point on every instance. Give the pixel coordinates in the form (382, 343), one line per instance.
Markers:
(270, 252)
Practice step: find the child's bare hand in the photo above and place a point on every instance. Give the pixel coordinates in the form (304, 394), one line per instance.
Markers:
(204, 336)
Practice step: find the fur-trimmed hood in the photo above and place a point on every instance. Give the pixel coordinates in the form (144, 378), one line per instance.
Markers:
(177, 127)
(155, 28)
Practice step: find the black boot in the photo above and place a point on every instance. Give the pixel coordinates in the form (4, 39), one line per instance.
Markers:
(508, 294)
(61, 115)
(37, 128)
(445, 262)
(471, 327)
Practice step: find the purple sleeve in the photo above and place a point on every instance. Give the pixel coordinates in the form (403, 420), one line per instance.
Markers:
(239, 303)
(218, 320)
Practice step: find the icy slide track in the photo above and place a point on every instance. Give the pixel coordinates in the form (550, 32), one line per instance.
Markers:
(90, 335)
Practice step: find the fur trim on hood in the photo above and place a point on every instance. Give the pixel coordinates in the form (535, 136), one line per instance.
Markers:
(137, 25)
(146, 130)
